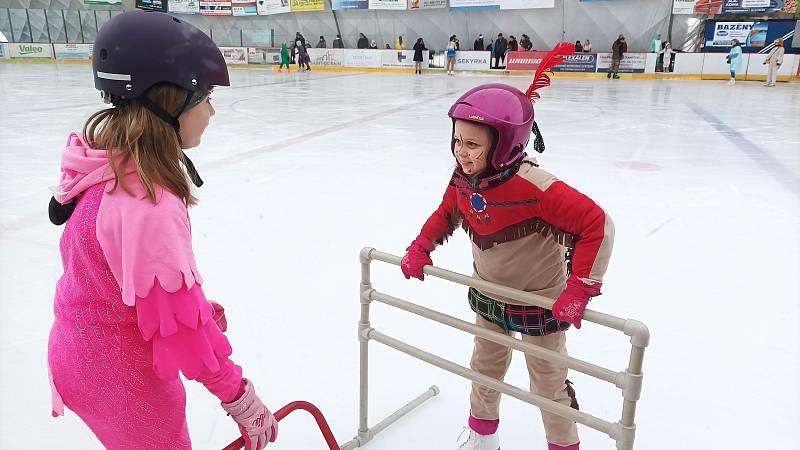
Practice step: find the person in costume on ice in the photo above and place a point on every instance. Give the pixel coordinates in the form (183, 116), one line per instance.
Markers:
(530, 231)
(130, 312)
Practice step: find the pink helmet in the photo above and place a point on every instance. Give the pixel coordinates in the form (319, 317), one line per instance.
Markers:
(507, 111)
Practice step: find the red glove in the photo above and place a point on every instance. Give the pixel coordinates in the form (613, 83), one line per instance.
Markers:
(219, 316)
(572, 302)
(417, 257)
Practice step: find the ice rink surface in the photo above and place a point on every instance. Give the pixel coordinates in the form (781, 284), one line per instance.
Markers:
(303, 170)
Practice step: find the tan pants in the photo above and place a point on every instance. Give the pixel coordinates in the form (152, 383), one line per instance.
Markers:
(772, 73)
(547, 380)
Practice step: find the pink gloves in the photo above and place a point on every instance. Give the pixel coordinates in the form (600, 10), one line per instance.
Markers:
(256, 423)
(572, 302)
(219, 316)
(417, 257)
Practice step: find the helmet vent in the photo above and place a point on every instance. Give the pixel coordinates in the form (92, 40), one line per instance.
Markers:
(103, 53)
(176, 19)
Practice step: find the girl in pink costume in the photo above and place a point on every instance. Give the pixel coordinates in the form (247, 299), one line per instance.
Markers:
(529, 231)
(129, 310)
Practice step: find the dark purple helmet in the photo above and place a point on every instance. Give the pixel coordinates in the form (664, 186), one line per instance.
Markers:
(138, 49)
(507, 111)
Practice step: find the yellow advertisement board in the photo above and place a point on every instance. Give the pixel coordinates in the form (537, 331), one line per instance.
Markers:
(308, 5)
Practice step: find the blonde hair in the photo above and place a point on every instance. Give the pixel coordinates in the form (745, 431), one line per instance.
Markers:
(131, 132)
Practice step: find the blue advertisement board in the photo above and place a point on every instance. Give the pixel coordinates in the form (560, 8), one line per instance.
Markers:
(755, 36)
(349, 4)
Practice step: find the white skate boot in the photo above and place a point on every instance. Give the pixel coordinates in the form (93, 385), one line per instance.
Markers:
(475, 441)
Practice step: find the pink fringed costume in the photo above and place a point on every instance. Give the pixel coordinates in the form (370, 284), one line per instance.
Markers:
(130, 312)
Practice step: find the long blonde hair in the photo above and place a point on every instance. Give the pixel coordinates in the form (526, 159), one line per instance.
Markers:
(130, 132)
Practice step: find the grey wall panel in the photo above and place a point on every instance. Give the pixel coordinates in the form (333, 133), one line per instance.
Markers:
(73, 30)
(58, 32)
(38, 23)
(19, 26)
(600, 22)
(5, 25)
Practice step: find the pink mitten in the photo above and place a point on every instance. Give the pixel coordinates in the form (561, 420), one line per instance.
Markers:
(572, 302)
(417, 257)
(256, 423)
(219, 316)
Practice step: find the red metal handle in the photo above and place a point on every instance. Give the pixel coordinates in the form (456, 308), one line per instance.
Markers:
(283, 412)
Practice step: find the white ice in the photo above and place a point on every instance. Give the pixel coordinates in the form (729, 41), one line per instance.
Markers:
(303, 170)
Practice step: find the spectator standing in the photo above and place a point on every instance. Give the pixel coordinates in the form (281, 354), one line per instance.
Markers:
(338, 43)
(500, 47)
(322, 43)
(419, 47)
(587, 46)
(618, 50)
(774, 59)
(526, 43)
(478, 44)
(363, 42)
(578, 46)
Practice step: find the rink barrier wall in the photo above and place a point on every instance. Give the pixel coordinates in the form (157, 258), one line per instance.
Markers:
(703, 66)
(629, 381)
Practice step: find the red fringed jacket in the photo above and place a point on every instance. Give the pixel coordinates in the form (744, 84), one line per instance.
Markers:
(525, 227)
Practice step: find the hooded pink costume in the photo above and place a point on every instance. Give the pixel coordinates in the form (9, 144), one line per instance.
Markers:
(129, 311)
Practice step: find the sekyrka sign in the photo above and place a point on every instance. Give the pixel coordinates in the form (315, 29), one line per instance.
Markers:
(472, 60)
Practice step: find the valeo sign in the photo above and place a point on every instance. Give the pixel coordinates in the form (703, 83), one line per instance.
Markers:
(31, 51)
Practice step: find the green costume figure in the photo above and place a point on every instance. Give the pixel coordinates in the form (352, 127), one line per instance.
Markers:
(284, 57)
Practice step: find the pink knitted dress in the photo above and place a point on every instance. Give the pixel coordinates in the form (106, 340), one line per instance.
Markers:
(130, 312)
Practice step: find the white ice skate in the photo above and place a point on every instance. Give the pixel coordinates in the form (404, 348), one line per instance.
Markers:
(475, 441)
(732, 82)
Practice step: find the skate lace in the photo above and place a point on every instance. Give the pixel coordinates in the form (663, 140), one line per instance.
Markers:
(468, 444)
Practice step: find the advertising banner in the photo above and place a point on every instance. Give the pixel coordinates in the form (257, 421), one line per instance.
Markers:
(30, 50)
(388, 4)
(215, 8)
(349, 4)
(527, 4)
(524, 60)
(234, 55)
(579, 62)
(397, 58)
(326, 57)
(473, 60)
(73, 51)
(362, 58)
(464, 5)
(426, 4)
(631, 62)
(307, 5)
(751, 6)
(191, 7)
(683, 6)
(3, 51)
(755, 37)
(267, 7)
(244, 7)
(263, 55)
(152, 5)
(102, 2)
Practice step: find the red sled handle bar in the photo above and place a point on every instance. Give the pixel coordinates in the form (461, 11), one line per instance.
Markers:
(283, 412)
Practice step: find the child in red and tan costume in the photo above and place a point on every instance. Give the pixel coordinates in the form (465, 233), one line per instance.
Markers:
(529, 231)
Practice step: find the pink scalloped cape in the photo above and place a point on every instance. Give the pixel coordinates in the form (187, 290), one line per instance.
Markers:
(130, 312)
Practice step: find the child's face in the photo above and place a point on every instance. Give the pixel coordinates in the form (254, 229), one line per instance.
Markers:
(472, 142)
(194, 122)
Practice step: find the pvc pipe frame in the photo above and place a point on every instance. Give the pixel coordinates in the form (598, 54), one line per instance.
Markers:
(629, 380)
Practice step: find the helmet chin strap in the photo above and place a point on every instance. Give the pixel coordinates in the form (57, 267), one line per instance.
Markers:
(172, 120)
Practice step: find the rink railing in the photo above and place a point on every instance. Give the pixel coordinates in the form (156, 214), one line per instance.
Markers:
(629, 381)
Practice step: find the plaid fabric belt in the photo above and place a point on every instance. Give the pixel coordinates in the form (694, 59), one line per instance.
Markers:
(530, 320)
